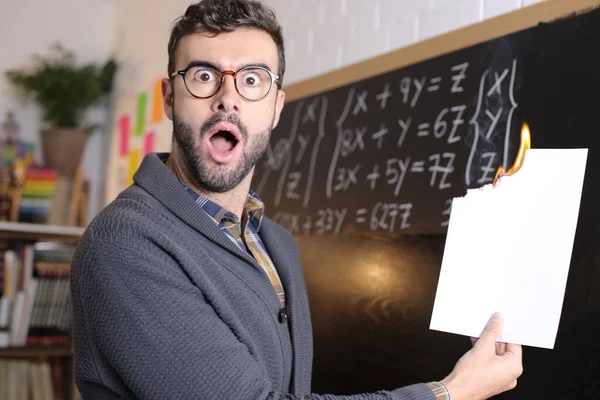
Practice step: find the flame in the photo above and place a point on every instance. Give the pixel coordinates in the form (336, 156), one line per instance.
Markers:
(524, 146)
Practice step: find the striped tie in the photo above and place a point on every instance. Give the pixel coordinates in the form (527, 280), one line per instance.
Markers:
(256, 251)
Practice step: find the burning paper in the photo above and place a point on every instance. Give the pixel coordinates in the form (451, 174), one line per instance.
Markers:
(508, 249)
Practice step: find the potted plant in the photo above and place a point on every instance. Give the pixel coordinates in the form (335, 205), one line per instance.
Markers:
(64, 91)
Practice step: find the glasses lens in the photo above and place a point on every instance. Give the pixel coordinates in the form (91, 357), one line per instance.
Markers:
(254, 82)
(202, 81)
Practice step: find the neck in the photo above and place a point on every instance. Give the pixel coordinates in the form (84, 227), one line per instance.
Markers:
(232, 200)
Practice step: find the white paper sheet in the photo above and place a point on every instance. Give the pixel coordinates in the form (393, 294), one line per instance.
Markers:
(508, 249)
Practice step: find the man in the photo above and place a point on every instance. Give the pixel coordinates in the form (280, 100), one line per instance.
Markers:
(181, 287)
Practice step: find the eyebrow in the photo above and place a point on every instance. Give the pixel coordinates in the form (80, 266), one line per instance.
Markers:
(201, 63)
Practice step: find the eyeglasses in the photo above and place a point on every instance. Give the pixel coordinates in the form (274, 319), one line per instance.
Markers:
(253, 83)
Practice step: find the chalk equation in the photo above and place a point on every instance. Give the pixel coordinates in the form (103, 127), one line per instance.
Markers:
(389, 153)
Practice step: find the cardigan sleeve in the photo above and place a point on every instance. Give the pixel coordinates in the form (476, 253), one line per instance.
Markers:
(161, 337)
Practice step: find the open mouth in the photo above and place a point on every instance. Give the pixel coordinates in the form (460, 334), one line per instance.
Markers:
(223, 141)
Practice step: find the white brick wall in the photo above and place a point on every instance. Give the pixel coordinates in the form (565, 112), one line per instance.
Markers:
(324, 35)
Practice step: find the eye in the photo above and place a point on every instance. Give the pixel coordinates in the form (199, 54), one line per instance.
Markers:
(205, 75)
(252, 79)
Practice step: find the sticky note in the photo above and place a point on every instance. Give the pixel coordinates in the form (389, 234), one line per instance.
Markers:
(134, 162)
(149, 142)
(157, 102)
(508, 249)
(141, 113)
(124, 135)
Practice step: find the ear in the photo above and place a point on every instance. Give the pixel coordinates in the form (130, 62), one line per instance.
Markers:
(167, 92)
(279, 102)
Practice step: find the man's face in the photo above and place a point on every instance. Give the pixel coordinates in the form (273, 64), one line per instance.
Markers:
(221, 138)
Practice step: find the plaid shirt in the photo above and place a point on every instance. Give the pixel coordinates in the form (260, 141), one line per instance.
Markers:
(439, 390)
(244, 234)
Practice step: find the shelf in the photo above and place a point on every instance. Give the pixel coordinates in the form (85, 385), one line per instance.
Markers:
(36, 351)
(20, 230)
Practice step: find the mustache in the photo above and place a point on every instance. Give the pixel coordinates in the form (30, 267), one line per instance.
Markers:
(231, 118)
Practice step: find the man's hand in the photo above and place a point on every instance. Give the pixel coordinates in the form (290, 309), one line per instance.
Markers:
(488, 369)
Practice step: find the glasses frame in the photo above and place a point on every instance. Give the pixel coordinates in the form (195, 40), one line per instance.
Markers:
(234, 74)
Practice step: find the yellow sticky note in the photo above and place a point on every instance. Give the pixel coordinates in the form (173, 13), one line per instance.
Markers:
(134, 162)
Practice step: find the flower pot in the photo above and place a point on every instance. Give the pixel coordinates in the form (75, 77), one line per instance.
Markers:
(62, 148)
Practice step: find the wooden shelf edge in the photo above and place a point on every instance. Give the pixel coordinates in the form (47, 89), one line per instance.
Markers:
(36, 351)
(21, 230)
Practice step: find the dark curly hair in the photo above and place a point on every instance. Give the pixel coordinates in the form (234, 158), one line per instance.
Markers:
(215, 16)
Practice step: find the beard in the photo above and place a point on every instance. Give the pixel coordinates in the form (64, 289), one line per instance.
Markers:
(220, 178)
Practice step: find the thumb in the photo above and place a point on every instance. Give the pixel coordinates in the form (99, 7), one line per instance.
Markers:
(492, 330)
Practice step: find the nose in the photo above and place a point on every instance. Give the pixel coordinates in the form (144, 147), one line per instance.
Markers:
(227, 98)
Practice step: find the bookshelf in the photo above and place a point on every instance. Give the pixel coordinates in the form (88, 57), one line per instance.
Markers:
(38, 232)
(52, 363)
(36, 351)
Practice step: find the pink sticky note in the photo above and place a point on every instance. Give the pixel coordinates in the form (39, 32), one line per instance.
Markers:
(149, 143)
(124, 135)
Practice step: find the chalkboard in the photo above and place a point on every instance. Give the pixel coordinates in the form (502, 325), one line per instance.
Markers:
(364, 174)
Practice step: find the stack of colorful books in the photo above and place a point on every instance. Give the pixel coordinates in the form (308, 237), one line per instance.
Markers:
(36, 197)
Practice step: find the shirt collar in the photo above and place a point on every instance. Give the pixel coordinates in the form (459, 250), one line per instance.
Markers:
(254, 207)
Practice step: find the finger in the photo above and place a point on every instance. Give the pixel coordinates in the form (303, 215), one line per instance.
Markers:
(514, 353)
(516, 350)
(491, 331)
(500, 348)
